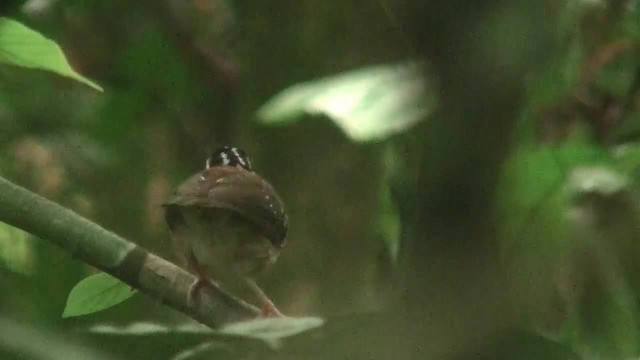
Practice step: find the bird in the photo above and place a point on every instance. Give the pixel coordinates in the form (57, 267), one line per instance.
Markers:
(228, 224)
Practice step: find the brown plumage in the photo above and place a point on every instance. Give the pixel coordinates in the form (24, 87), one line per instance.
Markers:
(228, 221)
(238, 190)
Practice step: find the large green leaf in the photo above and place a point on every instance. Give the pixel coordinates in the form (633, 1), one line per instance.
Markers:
(21, 46)
(371, 103)
(94, 293)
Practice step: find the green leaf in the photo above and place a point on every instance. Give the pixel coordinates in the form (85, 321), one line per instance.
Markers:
(94, 293)
(21, 46)
(272, 330)
(534, 195)
(371, 103)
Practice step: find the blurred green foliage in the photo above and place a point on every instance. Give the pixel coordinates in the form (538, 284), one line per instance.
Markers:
(182, 78)
(361, 103)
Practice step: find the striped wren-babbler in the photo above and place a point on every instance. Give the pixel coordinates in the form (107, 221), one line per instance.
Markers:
(229, 222)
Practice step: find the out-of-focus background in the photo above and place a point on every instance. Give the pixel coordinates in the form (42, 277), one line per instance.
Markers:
(460, 177)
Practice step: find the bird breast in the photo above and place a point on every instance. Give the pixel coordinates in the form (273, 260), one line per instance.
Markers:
(223, 241)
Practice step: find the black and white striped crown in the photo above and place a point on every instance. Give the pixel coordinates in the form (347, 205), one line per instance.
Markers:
(229, 156)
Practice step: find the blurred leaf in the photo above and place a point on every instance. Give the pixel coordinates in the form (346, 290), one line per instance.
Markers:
(94, 293)
(149, 328)
(599, 180)
(272, 330)
(531, 197)
(15, 249)
(21, 46)
(534, 179)
(371, 103)
(535, 233)
(537, 173)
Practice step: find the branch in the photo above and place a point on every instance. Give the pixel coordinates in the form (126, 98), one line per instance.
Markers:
(110, 253)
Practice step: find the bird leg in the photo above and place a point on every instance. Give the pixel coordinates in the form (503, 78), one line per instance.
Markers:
(202, 278)
(267, 306)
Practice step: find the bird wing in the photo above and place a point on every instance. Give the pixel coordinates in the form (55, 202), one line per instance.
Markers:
(241, 191)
